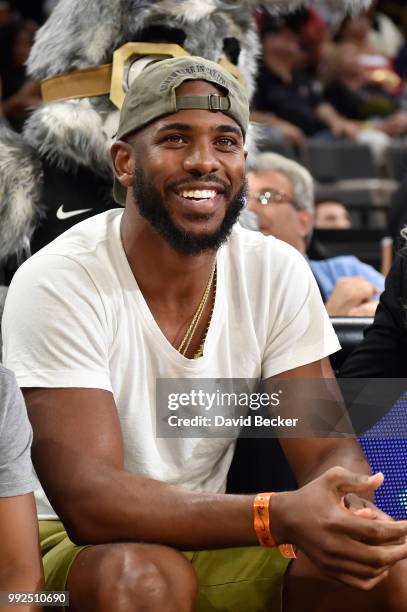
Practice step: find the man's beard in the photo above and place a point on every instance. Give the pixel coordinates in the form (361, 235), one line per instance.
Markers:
(151, 207)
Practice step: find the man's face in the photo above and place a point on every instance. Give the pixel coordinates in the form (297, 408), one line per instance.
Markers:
(284, 46)
(189, 174)
(332, 215)
(277, 215)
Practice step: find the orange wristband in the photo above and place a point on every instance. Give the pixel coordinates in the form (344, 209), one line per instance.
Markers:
(261, 512)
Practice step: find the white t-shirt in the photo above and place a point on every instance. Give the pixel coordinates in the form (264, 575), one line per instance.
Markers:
(75, 317)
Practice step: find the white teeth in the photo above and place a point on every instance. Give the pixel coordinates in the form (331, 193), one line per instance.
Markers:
(199, 194)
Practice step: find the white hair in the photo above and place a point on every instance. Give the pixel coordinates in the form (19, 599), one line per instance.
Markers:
(299, 177)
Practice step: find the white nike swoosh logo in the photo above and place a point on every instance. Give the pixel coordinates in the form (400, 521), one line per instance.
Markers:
(67, 215)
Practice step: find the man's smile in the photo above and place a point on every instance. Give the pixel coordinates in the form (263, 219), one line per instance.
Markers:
(204, 202)
(200, 197)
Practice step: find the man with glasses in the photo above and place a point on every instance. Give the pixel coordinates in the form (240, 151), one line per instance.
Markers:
(281, 194)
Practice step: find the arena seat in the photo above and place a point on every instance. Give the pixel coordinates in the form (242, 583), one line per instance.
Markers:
(350, 332)
(367, 200)
(397, 159)
(366, 244)
(282, 147)
(335, 160)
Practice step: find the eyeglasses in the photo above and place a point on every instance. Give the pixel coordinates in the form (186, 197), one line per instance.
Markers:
(273, 196)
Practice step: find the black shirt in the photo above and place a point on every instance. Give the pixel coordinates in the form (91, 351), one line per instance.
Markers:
(383, 352)
(365, 103)
(295, 102)
(69, 197)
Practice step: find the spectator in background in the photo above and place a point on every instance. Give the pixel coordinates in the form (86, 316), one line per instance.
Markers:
(330, 214)
(351, 92)
(377, 65)
(281, 194)
(287, 91)
(313, 36)
(19, 93)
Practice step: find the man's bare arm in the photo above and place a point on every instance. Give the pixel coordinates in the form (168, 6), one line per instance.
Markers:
(20, 559)
(78, 455)
(311, 457)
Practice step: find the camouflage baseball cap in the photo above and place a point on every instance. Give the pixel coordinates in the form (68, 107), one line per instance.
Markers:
(152, 95)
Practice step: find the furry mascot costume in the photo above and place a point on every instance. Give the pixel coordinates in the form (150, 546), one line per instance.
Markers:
(58, 172)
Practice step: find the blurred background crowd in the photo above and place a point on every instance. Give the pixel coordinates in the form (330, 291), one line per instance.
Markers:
(332, 94)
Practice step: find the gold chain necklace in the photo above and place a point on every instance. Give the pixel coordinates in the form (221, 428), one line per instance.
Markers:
(199, 352)
(186, 341)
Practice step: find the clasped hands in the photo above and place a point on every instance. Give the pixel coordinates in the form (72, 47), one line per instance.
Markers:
(345, 535)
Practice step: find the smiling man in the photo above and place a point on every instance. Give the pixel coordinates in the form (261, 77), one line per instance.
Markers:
(172, 288)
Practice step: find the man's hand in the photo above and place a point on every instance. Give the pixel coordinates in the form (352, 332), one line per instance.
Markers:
(345, 546)
(342, 127)
(292, 132)
(338, 124)
(367, 309)
(349, 295)
(363, 507)
(395, 125)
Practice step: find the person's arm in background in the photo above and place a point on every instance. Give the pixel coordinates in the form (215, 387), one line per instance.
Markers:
(339, 126)
(352, 296)
(20, 559)
(349, 286)
(293, 133)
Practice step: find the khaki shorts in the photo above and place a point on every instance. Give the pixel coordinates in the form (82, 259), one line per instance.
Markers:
(231, 579)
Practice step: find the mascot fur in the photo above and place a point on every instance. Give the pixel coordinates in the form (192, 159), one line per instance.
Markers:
(58, 171)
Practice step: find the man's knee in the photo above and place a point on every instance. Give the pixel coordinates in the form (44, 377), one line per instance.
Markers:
(132, 577)
(307, 588)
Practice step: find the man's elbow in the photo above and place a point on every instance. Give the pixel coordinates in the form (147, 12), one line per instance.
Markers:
(86, 526)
